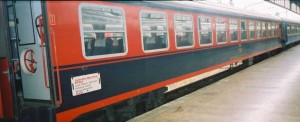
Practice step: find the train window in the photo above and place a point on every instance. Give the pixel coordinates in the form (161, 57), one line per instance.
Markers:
(233, 30)
(288, 29)
(269, 28)
(154, 31)
(251, 30)
(293, 29)
(205, 30)
(243, 30)
(276, 29)
(258, 29)
(102, 30)
(263, 28)
(273, 29)
(184, 31)
(221, 30)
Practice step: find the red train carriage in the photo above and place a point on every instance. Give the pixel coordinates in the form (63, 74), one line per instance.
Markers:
(68, 61)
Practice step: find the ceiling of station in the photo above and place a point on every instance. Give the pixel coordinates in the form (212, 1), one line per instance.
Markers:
(277, 8)
(293, 5)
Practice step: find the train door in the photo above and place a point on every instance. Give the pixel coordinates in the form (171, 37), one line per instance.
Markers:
(284, 35)
(29, 59)
(32, 52)
(6, 106)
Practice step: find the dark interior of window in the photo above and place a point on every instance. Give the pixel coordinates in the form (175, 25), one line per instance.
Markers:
(2, 36)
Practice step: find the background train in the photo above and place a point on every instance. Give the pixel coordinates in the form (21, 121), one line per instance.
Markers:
(73, 61)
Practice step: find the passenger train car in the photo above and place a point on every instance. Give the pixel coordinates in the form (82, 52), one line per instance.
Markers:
(73, 61)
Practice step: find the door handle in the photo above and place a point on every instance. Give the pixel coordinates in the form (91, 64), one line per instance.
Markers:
(16, 67)
(5, 72)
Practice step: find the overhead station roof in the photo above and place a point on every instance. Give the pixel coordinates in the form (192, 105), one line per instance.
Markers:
(207, 7)
(261, 6)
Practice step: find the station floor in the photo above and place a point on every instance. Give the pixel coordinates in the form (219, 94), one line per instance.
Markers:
(268, 91)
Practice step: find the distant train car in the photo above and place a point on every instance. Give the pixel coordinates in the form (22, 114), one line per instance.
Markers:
(75, 61)
(290, 31)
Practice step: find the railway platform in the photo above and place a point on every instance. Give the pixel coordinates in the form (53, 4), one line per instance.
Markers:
(265, 92)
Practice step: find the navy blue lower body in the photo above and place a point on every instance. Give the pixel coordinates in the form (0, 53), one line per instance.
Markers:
(121, 77)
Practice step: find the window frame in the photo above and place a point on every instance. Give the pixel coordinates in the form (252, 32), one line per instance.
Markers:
(226, 27)
(237, 29)
(260, 32)
(81, 5)
(142, 35)
(265, 29)
(276, 29)
(175, 31)
(269, 29)
(254, 29)
(212, 32)
(246, 25)
(288, 29)
(273, 27)
(293, 29)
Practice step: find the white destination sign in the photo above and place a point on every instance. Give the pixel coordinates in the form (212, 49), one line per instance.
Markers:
(85, 83)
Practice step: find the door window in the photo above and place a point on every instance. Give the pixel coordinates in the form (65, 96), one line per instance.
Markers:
(2, 35)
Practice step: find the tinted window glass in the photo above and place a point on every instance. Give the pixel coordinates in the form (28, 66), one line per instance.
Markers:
(233, 30)
(268, 29)
(221, 30)
(205, 30)
(2, 33)
(263, 28)
(258, 29)
(154, 30)
(184, 30)
(273, 29)
(243, 30)
(276, 29)
(251, 30)
(103, 30)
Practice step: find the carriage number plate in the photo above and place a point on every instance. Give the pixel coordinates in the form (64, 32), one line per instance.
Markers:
(85, 83)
